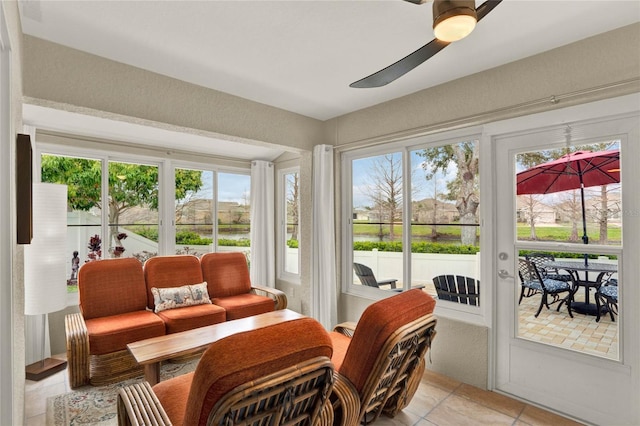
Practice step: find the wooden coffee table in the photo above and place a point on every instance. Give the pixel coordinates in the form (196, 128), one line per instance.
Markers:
(151, 352)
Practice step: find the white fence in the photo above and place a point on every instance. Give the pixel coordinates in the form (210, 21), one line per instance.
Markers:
(425, 266)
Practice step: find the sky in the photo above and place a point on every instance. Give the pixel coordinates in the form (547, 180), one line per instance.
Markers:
(231, 187)
(362, 179)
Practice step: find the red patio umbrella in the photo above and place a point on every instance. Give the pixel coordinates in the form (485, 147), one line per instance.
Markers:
(577, 170)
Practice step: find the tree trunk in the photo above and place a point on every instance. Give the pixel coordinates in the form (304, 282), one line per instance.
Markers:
(604, 213)
(467, 208)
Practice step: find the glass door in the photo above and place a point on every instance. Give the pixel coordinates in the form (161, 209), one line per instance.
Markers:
(561, 274)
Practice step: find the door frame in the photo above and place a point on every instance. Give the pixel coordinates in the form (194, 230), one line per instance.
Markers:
(629, 330)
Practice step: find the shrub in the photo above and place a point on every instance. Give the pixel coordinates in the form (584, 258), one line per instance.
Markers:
(417, 247)
(191, 238)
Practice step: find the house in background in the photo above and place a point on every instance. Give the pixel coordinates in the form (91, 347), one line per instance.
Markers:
(63, 93)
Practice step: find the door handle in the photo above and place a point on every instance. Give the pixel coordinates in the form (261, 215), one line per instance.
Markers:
(504, 274)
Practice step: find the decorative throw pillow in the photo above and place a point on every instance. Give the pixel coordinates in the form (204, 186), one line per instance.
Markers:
(180, 297)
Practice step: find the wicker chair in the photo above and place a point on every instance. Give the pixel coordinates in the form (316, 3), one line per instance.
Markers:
(380, 362)
(113, 313)
(275, 375)
(229, 284)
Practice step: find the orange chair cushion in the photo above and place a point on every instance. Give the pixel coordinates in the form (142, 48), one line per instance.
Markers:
(111, 287)
(113, 333)
(173, 394)
(171, 271)
(245, 305)
(227, 274)
(377, 323)
(241, 358)
(187, 318)
(340, 344)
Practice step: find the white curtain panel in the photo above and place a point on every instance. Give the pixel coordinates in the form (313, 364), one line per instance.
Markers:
(263, 264)
(323, 252)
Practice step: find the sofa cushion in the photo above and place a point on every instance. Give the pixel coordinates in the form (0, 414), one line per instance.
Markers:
(226, 273)
(180, 297)
(111, 287)
(113, 333)
(171, 271)
(377, 323)
(190, 317)
(245, 305)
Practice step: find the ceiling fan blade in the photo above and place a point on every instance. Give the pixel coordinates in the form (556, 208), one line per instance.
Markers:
(403, 66)
(411, 61)
(486, 7)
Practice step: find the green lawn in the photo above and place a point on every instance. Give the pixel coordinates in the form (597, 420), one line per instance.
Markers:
(452, 232)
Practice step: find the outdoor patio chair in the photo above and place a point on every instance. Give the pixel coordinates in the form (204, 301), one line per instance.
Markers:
(365, 274)
(531, 279)
(541, 259)
(458, 288)
(380, 361)
(274, 375)
(607, 296)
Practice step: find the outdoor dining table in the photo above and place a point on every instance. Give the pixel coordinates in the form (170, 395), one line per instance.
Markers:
(573, 268)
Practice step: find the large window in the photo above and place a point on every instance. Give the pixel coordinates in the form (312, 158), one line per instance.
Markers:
(194, 204)
(234, 212)
(115, 207)
(413, 214)
(290, 229)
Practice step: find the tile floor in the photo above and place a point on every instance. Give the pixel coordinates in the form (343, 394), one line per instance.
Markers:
(438, 401)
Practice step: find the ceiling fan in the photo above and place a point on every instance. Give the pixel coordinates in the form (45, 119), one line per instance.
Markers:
(452, 21)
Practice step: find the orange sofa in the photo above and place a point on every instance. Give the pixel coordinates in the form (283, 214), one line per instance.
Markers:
(122, 302)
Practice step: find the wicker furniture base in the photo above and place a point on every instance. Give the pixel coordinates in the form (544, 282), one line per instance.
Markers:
(113, 367)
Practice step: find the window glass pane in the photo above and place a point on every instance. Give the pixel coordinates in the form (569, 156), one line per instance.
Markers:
(194, 211)
(445, 202)
(234, 195)
(292, 209)
(548, 209)
(83, 179)
(133, 211)
(377, 221)
(553, 209)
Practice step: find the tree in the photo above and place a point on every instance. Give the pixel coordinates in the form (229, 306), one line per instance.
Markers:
(385, 190)
(293, 202)
(531, 207)
(130, 185)
(463, 188)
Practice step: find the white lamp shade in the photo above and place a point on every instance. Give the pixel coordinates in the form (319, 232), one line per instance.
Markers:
(45, 284)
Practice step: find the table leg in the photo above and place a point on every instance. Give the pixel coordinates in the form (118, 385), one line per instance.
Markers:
(152, 373)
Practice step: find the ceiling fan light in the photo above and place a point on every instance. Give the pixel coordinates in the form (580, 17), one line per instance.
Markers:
(453, 20)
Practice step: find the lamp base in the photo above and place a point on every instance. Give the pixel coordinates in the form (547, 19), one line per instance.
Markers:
(45, 368)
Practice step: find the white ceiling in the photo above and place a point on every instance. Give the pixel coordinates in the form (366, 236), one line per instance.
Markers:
(301, 56)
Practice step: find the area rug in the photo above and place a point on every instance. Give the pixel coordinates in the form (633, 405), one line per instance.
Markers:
(96, 405)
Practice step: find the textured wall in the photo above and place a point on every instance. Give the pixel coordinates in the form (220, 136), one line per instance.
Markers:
(591, 63)
(68, 76)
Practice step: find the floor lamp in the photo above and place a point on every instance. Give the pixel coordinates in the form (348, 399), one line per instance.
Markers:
(45, 266)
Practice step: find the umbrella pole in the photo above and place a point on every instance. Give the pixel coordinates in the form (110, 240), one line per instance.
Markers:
(585, 238)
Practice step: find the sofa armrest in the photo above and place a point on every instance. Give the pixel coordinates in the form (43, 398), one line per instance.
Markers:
(346, 328)
(139, 406)
(278, 296)
(77, 338)
(345, 401)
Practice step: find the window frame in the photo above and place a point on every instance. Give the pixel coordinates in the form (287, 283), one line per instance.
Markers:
(281, 231)
(472, 314)
(166, 183)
